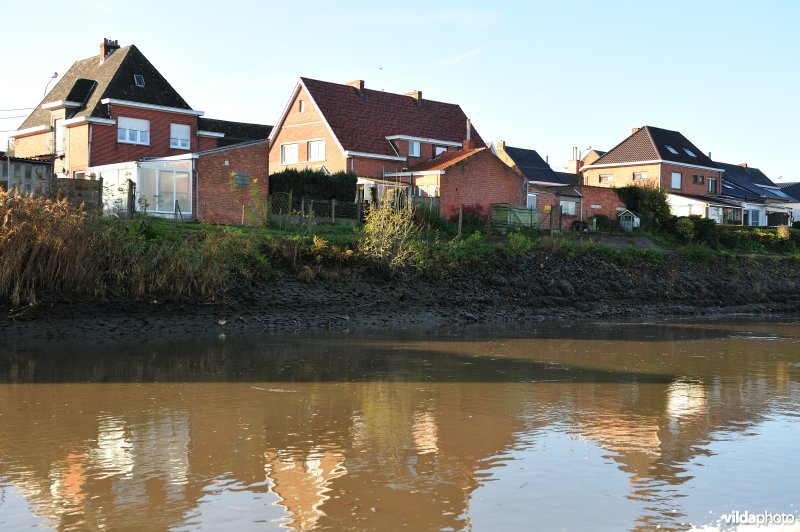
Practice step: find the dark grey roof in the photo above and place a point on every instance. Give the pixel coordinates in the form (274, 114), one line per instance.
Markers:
(569, 179)
(535, 168)
(114, 79)
(235, 132)
(792, 189)
(653, 143)
(749, 183)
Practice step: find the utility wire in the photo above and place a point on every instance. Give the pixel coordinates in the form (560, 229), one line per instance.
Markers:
(18, 109)
(10, 117)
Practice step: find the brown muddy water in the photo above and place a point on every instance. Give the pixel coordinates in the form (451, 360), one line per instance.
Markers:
(575, 426)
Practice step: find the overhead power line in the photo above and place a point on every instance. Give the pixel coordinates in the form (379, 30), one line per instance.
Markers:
(17, 109)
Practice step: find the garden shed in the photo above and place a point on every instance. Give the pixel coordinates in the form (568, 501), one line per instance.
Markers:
(628, 220)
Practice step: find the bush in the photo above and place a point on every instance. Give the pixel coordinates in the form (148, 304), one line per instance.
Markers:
(315, 184)
(602, 222)
(649, 202)
(684, 228)
(473, 218)
(388, 236)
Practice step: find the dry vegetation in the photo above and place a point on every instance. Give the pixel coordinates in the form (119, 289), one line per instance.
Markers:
(50, 247)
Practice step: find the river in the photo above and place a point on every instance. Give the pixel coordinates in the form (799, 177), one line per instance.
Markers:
(577, 426)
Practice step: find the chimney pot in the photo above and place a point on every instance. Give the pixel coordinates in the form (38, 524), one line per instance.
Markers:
(107, 48)
(358, 84)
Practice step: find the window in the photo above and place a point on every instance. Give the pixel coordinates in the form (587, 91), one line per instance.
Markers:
(672, 150)
(16, 169)
(639, 176)
(712, 185)
(755, 218)
(568, 207)
(676, 180)
(3, 169)
(79, 175)
(438, 150)
(413, 148)
(606, 178)
(531, 203)
(301, 106)
(139, 80)
(715, 213)
(288, 153)
(316, 150)
(59, 136)
(689, 152)
(133, 131)
(179, 136)
(28, 171)
(432, 191)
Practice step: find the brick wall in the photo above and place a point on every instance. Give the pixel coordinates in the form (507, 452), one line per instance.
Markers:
(600, 200)
(621, 175)
(693, 180)
(76, 149)
(107, 150)
(479, 180)
(218, 201)
(32, 145)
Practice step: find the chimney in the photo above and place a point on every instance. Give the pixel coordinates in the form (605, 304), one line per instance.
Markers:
(743, 165)
(467, 144)
(107, 48)
(417, 95)
(573, 165)
(634, 130)
(357, 84)
(500, 145)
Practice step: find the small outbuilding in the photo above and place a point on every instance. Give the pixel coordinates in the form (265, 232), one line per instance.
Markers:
(628, 220)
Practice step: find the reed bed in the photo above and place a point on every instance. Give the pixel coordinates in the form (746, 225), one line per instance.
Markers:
(51, 248)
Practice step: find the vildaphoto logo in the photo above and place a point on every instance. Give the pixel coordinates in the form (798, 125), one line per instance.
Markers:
(759, 519)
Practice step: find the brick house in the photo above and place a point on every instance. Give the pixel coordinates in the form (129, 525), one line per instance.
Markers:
(562, 191)
(373, 133)
(116, 109)
(659, 157)
(763, 203)
(473, 177)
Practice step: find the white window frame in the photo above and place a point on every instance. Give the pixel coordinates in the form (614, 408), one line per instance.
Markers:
(712, 181)
(319, 153)
(291, 149)
(571, 207)
(605, 178)
(58, 132)
(133, 131)
(530, 202)
(413, 148)
(177, 139)
(755, 218)
(642, 176)
(438, 150)
(679, 180)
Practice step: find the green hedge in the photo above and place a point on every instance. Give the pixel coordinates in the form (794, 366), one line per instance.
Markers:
(315, 184)
(759, 239)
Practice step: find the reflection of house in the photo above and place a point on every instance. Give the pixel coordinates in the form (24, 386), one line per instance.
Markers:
(763, 202)
(115, 108)
(28, 176)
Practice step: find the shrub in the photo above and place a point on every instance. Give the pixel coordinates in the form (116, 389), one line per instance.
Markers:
(684, 228)
(315, 184)
(649, 202)
(388, 236)
(602, 222)
(705, 231)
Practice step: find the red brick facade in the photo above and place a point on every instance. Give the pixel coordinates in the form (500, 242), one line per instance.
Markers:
(221, 201)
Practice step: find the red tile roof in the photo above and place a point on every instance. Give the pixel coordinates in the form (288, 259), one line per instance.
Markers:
(445, 160)
(362, 120)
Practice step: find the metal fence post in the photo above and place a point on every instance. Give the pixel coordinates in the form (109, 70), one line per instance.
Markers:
(333, 210)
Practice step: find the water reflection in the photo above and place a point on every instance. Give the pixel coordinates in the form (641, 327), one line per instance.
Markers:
(554, 427)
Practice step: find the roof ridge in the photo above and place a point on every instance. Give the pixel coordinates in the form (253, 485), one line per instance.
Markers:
(609, 152)
(652, 140)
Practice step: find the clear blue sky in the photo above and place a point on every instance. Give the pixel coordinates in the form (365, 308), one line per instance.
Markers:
(545, 75)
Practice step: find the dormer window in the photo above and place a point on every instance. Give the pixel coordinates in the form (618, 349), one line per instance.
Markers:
(689, 152)
(438, 150)
(139, 80)
(413, 148)
(672, 150)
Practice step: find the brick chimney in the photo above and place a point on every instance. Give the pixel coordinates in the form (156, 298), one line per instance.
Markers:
(417, 95)
(357, 84)
(468, 143)
(634, 130)
(743, 165)
(107, 48)
(500, 145)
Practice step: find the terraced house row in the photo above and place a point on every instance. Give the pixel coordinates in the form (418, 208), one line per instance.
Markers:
(114, 118)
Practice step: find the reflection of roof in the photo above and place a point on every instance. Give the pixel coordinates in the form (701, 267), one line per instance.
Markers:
(114, 78)
(445, 160)
(655, 144)
(361, 120)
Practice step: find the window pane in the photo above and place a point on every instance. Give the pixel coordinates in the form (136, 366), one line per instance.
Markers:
(182, 192)
(166, 192)
(676, 180)
(146, 189)
(144, 137)
(122, 134)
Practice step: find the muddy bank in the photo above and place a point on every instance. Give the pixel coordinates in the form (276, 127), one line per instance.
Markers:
(539, 286)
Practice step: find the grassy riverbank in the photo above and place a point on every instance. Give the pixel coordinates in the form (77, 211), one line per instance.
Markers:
(51, 251)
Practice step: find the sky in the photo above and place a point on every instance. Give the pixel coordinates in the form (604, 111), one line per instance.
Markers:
(548, 75)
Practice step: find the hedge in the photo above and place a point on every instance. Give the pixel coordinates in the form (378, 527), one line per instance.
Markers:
(315, 184)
